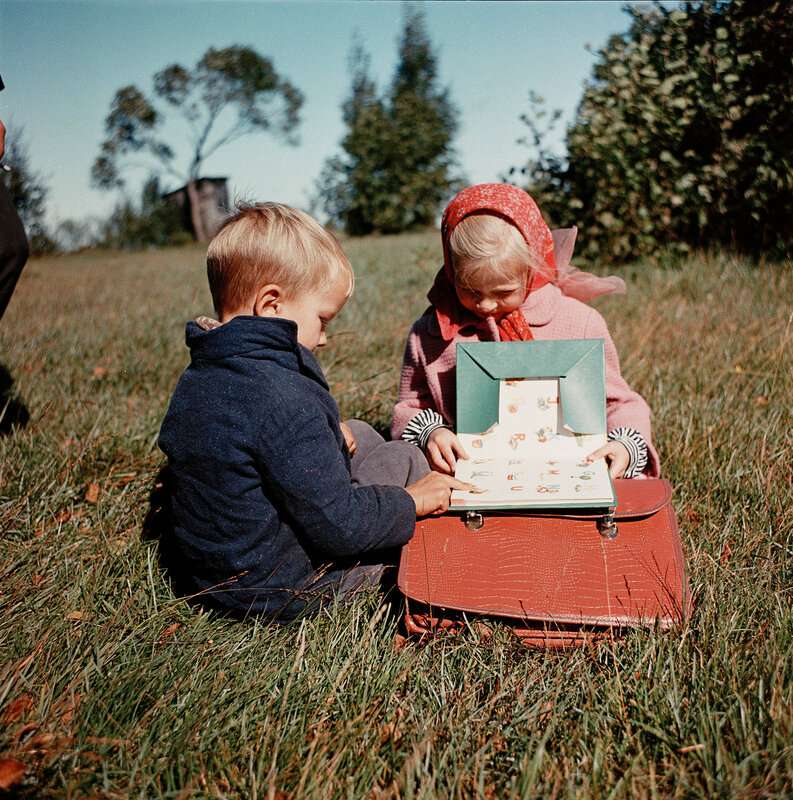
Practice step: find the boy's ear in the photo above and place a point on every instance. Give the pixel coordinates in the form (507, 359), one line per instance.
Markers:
(267, 302)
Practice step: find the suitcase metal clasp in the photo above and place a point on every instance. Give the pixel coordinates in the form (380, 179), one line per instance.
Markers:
(473, 520)
(607, 525)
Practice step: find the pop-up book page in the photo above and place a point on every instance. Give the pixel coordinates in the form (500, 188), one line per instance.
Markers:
(528, 458)
(530, 455)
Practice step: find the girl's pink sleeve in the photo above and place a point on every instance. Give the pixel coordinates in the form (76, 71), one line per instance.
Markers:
(624, 407)
(414, 391)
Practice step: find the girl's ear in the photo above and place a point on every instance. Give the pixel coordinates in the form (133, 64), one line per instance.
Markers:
(267, 302)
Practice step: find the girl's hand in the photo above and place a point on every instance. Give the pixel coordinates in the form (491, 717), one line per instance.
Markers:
(348, 437)
(432, 493)
(617, 456)
(443, 450)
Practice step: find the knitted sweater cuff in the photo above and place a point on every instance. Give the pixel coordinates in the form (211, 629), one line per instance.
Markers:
(635, 445)
(418, 430)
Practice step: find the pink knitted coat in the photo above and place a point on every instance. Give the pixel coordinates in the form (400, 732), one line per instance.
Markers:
(428, 368)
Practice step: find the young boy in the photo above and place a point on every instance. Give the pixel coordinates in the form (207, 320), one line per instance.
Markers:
(271, 510)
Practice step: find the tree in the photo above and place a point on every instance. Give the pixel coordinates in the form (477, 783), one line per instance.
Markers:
(350, 190)
(230, 93)
(73, 235)
(398, 162)
(543, 170)
(28, 191)
(682, 138)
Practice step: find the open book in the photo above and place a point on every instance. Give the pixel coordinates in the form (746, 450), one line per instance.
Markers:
(532, 433)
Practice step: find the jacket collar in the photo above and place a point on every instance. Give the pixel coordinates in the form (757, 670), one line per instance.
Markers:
(256, 338)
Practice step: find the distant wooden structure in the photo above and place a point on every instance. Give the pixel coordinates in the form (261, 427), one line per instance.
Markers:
(213, 206)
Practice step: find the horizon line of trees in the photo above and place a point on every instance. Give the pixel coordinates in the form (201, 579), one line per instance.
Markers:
(681, 139)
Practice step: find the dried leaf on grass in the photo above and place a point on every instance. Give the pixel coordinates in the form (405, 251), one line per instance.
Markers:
(390, 730)
(24, 731)
(545, 712)
(694, 517)
(92, 493)
(168, 632)
(18, 708)
(11, 772)
(123, 479)
(726, 552)
(66, 708)
(64, 516)
(100, 372)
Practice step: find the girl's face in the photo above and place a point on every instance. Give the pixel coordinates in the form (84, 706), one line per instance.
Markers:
(488, 295)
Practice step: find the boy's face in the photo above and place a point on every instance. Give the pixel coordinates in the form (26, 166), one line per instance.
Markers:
(488, 295)
(313, 310)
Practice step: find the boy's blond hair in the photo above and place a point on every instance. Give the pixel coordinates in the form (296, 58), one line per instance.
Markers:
(271, 243)
(487, 242)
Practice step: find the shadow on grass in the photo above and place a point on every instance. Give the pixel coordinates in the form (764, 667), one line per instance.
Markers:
(13, 412)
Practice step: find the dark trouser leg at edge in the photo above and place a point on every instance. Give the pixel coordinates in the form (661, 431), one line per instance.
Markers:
(13, 247)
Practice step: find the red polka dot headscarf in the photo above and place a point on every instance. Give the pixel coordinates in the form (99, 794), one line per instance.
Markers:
(517, 207)
(551, 253)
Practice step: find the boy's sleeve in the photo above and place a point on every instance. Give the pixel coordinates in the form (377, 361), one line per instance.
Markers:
(306, 477)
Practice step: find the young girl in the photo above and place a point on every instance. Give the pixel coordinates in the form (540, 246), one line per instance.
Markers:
(505, 277)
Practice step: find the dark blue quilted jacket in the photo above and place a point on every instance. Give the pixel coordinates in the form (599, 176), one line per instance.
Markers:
(261, 496)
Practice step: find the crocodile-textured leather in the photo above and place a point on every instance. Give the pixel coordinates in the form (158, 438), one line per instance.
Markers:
(552, 577)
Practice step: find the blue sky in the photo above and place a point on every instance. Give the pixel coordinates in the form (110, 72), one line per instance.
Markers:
(62, 62)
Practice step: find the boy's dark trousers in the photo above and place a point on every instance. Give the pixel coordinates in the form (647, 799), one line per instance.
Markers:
(379, 462)
(13, 247)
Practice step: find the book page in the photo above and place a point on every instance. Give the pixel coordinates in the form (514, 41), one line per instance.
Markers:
(529, 458)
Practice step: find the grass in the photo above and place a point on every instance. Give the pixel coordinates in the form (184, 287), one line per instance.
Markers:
(110, 687)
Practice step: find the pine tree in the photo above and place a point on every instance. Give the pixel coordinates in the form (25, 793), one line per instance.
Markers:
(424, 122)
(397, 166)
(350, 190)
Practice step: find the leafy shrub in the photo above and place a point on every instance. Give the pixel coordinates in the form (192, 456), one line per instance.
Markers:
(154, 223)
(683, 136)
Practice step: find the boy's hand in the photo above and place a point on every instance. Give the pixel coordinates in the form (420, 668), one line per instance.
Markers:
(432, 493)
(348, 437)
(617, 456)
(443, 450)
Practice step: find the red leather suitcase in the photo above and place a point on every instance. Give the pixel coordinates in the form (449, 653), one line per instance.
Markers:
(555, 578)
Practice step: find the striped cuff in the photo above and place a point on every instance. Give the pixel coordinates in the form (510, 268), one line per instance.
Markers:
(636, 447)
(418, 430)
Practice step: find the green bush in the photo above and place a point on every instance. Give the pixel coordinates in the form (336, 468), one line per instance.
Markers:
(154, 223)
(682, 138)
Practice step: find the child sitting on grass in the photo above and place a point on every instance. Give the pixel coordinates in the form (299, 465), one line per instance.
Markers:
(276, 507)
(505, 277)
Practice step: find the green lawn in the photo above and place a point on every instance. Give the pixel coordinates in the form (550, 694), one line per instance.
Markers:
(110, 687)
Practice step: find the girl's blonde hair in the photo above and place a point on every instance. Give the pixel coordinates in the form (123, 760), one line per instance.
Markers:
(484, 241)
(272, 243)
